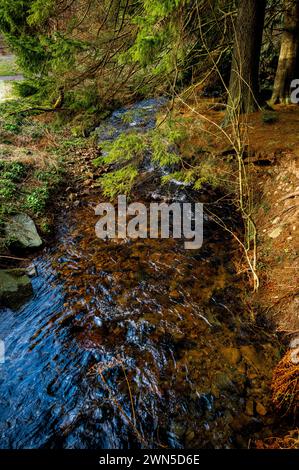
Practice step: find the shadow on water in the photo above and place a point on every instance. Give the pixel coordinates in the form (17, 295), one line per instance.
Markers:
(133, 343)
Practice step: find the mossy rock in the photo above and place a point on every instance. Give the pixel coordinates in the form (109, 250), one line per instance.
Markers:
(15, 288)
(21, 233)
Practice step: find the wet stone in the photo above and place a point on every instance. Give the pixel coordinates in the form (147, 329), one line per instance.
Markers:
(21, 232)
(232, 355)
(190, 435)
(223, 381)
(250, 408)
(15, 288)
(260, 409)
(176, 295)
(252, 357)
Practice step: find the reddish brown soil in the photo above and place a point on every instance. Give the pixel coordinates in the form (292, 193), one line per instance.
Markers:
(272, 153)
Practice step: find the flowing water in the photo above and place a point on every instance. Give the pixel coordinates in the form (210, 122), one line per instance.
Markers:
(134, 343)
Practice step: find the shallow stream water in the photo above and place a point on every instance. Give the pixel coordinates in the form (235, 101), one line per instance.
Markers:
(134, 343)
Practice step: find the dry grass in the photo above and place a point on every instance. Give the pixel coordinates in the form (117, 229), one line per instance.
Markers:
(98, 370)
(290, 441)
(285, 386)
(35, 157)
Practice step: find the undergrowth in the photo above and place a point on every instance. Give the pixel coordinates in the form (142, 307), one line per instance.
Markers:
(125, 157)
(24, 189)
(31, 169)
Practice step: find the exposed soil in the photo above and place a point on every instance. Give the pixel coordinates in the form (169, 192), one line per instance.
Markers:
(272, 156)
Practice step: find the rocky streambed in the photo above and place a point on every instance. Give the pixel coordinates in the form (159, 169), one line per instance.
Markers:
(135, 343)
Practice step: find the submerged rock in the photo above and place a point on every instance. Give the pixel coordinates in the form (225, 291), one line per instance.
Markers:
(260, 409)
(20, 232)
(232, 355)
(253, 358)
(15, 288)
(276, 232)
(31, 271)
(250, 407)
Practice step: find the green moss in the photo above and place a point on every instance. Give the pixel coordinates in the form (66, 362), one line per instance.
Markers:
(45, 226)
(269, 117)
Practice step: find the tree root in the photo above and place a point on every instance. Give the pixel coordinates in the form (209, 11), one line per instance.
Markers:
(40, 109)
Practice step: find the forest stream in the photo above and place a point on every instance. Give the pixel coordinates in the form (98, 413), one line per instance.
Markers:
(135, 343)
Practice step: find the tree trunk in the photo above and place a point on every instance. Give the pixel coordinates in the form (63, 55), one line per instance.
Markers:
(289, 51)
(244, 80)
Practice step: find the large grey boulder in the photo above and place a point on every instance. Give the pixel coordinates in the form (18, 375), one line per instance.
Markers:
(15, 288)
(20, 232)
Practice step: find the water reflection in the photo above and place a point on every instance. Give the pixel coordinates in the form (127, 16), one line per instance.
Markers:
(131, 344)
